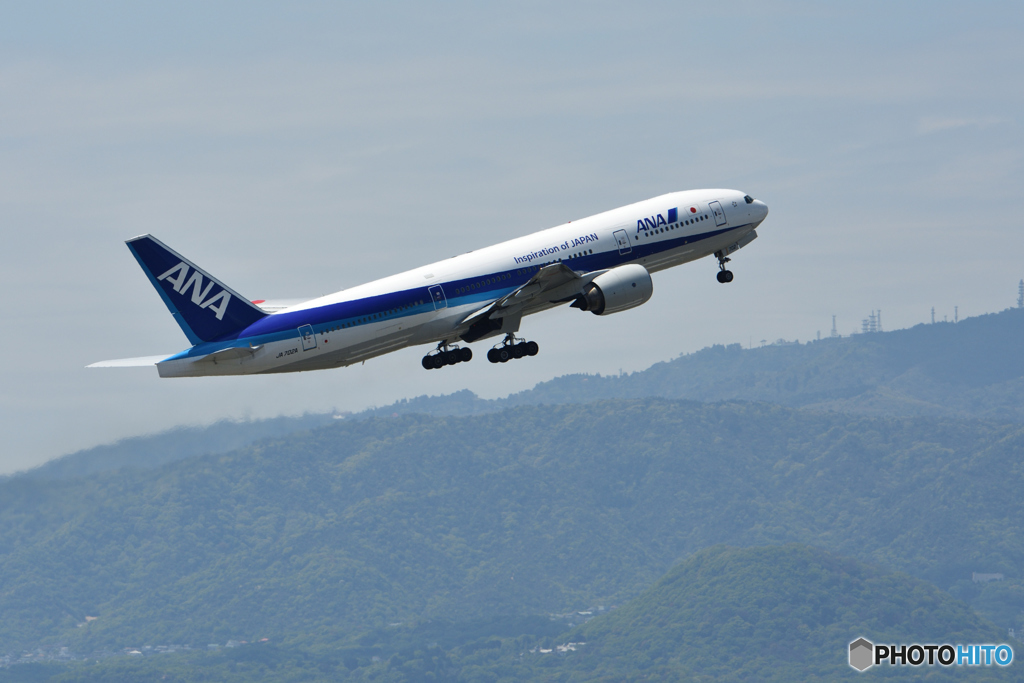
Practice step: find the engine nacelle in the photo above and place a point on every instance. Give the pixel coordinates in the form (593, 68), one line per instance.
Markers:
(617, 290)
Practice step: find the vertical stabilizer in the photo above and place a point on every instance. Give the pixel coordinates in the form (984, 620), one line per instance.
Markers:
(206, 308)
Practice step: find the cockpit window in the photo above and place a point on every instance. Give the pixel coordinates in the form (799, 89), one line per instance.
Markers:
(748, 199)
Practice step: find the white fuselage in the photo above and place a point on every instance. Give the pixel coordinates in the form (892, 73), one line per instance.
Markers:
(429, 305)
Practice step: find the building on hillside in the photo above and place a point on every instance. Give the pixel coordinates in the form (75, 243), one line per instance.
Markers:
(984, 578)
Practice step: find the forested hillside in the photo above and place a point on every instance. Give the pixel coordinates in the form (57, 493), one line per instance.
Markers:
(317, 538)
(777, 613)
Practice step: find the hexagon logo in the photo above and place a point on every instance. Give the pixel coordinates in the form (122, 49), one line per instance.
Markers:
(862, 654)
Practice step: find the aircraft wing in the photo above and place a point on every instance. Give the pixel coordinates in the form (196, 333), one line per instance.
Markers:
(552, 283)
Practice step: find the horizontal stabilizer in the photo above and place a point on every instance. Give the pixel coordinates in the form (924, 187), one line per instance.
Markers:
(275, 305)
(130, 362)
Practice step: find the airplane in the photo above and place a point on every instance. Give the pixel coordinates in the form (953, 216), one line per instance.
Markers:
(601, 264)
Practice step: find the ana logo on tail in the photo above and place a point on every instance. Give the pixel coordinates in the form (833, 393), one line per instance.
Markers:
(181, 282)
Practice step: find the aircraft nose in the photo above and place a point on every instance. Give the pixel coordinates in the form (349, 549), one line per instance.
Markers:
(760, 210)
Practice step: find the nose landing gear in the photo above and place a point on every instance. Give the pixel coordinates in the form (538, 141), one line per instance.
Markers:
(723, 274)
(512, 348)
(446, 356)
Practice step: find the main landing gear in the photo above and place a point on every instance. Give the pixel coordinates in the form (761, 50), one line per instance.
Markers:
(723, 274)
(446, 356)
(511, 348)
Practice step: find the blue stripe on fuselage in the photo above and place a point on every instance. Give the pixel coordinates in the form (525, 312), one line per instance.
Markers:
(405, 303)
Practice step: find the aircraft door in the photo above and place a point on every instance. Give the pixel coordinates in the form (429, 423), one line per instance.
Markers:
(622, 239)
(308, 337)
(719, 212)
(437, 296)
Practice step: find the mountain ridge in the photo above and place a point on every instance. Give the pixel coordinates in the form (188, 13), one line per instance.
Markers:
(971, 369)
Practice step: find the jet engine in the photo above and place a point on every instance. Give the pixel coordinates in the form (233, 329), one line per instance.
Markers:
(617, 290)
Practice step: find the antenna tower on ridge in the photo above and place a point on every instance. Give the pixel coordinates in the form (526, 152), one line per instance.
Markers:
(871, 324)
(1020, 294)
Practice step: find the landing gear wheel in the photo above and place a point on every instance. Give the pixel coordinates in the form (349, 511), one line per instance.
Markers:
(723, 274)
(512, 348)
(446, 356)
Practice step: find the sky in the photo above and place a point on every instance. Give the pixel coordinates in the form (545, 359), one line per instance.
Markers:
(296, 149)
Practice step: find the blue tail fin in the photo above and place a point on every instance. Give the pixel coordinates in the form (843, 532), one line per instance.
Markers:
(206, 308)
